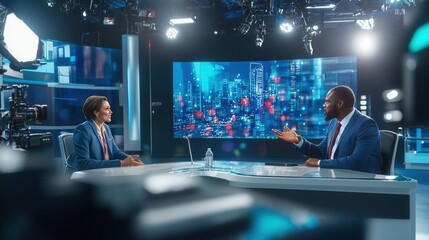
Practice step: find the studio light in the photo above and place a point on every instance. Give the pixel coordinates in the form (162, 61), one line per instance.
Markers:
(109, 21)
(328, 6)
(366, 24)
(364, 104)
(260, 35)
(172, 33)
(314, 30)
(19, 44)
(307, 45)
(84, 14)
(245, 26)
(365, 44)
(178, 21)
(419, 41)
(50, 3)
(148, 13)
(392, 95)
(307, 38)
(393, 116)
(286, 26)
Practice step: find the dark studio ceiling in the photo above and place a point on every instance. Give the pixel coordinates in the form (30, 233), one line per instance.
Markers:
(220, 16)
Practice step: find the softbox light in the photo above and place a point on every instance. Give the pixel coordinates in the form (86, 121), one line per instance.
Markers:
(19, 44)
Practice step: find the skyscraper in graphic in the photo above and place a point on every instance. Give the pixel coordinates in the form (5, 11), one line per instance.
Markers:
(256, 83)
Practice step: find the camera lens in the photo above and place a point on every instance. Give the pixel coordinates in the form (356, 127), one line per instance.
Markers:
(37, 113)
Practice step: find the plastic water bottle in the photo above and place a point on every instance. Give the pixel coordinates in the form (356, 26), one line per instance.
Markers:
(209, 158)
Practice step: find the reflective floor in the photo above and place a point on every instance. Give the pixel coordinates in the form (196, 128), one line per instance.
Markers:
(422, 199)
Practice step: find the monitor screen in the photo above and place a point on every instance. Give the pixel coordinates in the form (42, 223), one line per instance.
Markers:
(246, 99)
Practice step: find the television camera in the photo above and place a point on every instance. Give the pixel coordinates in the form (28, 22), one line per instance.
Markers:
(13, 128)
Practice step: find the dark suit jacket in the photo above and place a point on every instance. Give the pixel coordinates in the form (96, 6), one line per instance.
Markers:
(358, 148)
(88, 149)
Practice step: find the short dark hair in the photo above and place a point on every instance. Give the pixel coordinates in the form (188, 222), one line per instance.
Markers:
(346, 94)
(92, 103)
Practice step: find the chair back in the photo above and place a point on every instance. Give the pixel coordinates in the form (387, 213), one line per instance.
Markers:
(389, 146)
(66, 148)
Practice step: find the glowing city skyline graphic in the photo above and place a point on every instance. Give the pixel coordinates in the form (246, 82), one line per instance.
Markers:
(248, 99)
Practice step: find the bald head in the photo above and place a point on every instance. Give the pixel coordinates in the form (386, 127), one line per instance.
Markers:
(345, 94)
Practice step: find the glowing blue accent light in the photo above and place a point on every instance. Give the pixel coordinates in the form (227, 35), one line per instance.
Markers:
(419, 41)
(131, 76)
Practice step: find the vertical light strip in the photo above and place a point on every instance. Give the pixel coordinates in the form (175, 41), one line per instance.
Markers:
(131, 79)
(2, 103)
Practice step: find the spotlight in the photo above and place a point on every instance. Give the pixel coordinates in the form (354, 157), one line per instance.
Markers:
(308, 47)
(307, 44)
(392, 95)
(109, 21)
(364, 104)
(19, 44)
(247, 23)
(260, 35)
(314, 31)
(393, 116)
(172, 32)
(84, 14)
(286, 26)
(366, 24)
(259, 40)
(50, 3)
(365, 44)
(328, 6)
(176, 21)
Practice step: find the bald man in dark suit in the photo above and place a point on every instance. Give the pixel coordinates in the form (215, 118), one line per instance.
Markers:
(356, 145)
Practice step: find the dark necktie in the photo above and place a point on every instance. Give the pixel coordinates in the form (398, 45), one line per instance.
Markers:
(331, 145)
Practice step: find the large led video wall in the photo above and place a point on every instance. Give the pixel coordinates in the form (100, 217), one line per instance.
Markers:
(247, 99)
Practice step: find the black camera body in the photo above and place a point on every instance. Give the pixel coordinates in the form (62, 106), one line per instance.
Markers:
(13, 120)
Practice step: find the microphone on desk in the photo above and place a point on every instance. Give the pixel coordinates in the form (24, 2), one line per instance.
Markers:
(190, 151)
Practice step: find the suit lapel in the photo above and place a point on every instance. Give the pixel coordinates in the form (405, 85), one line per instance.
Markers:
(95, 131)
(346, 130)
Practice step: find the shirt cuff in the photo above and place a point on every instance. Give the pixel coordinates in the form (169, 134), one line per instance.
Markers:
(300, 143)
(318, 163)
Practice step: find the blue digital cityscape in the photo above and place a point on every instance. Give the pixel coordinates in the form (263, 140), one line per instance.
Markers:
(248, 99)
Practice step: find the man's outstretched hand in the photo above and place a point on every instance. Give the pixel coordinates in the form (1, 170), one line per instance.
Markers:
(288, 135)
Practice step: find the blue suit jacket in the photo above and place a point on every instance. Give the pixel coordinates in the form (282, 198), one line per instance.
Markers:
(88, 149)
(358, 148)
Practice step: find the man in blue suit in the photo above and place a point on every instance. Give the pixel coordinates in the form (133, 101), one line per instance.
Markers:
(352, 140)
(93, 142)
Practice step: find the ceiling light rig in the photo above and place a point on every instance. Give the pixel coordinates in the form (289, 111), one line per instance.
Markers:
(255, 15)
(307, 16)
(295, 16)
(134, 15)
(298, 17)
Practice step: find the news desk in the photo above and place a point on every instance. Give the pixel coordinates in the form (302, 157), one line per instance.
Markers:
(387, 202)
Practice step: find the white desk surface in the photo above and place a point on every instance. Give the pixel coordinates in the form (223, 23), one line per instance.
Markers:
(259, 175)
